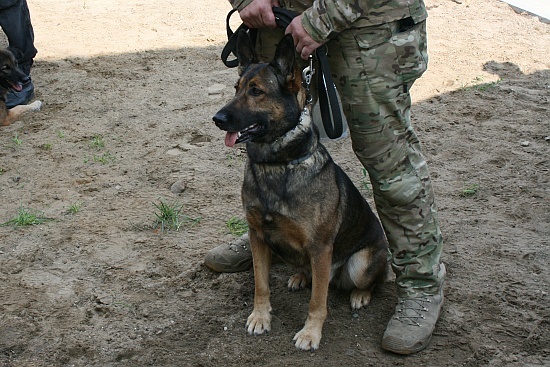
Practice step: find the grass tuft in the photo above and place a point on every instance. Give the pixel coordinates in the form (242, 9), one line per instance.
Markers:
(237, 227)
(17, 141)
(97, 142)
(365, 182)
(469, 190)
(27, 217)
(170, 217)
(74, 208)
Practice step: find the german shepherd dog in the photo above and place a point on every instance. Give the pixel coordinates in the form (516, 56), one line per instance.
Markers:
(299, 204)
(11, 77)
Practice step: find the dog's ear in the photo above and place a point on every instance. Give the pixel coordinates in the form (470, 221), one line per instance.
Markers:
(245, 51)
(285, 57)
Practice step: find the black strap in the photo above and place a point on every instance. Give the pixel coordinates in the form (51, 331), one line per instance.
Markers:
(328, 100)
(231, 45)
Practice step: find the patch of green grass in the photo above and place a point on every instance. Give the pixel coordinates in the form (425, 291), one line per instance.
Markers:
(74, 208)
(469, 189)
(104, 158)
(486, 86)
(477, 84)
(365, 182)
(97, 142)
(27, 217)
(60, 134)
(171, 217)
(17, 141)
(46, 146)
(237, 227)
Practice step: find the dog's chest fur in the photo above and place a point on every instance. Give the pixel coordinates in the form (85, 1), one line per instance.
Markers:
(285, 202)
(276, 187)
(276, 178)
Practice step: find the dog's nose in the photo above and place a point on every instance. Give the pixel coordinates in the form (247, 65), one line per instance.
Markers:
(221, 118)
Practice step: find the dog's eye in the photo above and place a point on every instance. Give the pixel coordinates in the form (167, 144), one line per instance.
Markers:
(256, 91)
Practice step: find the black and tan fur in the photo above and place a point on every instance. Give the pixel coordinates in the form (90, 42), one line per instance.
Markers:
(12, 77)
(299, 204)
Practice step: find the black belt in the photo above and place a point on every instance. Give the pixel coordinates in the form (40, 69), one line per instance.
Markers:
(328, 100)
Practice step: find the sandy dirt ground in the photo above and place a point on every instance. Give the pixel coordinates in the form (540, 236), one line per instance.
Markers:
(128, 98)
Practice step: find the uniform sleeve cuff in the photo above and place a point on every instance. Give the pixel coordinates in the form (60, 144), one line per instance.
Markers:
(321, 29)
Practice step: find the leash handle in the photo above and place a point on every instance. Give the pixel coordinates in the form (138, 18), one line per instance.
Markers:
(328, 100)
(231, 45)
(283, 17)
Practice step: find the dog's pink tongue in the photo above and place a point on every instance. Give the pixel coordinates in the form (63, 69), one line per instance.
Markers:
(17, 87)
(230, 139)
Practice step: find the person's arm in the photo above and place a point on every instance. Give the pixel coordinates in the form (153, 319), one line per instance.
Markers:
(326, 18)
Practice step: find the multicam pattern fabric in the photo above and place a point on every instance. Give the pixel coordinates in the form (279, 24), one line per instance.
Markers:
(374, 67)
(324, 19)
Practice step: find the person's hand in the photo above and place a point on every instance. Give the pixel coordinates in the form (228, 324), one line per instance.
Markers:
(258, 14)
(305, 45)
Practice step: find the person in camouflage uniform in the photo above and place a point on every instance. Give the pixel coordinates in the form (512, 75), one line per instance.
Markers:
(376, 50)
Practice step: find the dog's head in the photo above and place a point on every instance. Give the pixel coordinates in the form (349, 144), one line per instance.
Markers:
(269, 97)
(11, 76)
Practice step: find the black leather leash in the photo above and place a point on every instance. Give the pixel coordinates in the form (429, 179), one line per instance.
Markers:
(328, 100)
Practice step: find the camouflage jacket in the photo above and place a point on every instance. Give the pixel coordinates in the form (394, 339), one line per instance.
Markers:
(324, 19)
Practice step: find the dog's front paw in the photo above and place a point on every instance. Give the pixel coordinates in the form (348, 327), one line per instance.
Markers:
(258, 322)
(298, 281)
(359, 298)
(35, 106)
(308, 339)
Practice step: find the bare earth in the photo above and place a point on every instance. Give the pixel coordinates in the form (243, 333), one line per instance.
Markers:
(101, 287)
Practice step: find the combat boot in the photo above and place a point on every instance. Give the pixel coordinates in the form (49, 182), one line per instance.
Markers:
(231, 257)
(411, 327)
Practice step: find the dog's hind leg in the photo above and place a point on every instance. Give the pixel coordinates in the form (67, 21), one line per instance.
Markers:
(361, 273)
(299, 281)
(360, 298)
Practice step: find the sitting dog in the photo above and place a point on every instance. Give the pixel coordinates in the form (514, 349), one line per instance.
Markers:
(299, 204)
(12, 77)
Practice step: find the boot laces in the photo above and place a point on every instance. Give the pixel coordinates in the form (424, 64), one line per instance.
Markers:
(412, 310)
(238, 245)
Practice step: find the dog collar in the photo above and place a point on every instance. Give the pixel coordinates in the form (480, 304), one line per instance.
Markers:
(301, 159)
(305, 121)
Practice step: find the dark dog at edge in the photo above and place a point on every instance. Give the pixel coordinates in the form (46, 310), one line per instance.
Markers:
(12, 77)
(299, 204)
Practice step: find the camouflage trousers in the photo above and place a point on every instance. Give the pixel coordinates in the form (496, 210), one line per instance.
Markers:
(374, 68)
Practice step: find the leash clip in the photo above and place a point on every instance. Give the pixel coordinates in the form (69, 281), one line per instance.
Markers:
(307, 73)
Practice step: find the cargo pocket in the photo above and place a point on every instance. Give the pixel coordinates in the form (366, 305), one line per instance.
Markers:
(392, 55)
(401, 190)
(410, 49)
